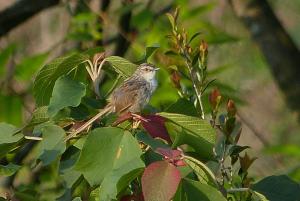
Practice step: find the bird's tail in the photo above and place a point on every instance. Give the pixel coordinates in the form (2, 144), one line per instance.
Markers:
(106, 110)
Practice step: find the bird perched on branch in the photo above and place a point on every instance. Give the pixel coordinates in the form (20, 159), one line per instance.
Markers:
(130, 97)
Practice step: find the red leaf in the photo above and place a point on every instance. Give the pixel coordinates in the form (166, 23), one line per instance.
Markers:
(180, 163)
(160, 181)
(155, 126)
(172, 156)
(122, 118)
(169, 153)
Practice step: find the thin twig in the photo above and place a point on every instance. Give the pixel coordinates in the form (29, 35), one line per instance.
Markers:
(33, 138)
(198, 93)
(235, 190)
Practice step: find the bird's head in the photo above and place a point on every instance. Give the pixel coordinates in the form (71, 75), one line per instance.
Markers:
(147, 71)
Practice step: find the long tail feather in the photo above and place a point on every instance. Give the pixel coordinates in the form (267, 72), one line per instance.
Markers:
(89, 122)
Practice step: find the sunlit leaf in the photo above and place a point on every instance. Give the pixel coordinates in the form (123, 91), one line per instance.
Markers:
(193, 131)
(46, 77)
(258, 196)
(66, 92)
(122, 66)
(204, 174)
(171, 20)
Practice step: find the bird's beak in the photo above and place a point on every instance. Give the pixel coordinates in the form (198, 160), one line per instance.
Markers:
(156, 69)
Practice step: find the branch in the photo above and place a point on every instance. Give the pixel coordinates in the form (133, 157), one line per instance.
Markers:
(276, 45)
(20, 12)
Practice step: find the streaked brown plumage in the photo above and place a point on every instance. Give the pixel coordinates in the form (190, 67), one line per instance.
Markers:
(131, 96)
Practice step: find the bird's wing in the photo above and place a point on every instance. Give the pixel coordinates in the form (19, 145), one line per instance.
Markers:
(127, 95)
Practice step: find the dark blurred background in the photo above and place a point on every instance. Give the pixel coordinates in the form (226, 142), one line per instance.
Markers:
(253, 53)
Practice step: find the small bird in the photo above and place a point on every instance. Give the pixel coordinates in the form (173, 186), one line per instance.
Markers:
(130, 97)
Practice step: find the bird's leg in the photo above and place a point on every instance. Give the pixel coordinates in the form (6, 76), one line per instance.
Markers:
(137, 117)
(127, 116)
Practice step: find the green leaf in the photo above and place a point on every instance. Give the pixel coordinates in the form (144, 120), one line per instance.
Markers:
(8, 170)
(195, 35)
(148, 140)
(149, 51)
(204, 174)
(258, 197)
(66, 92)
(69, 175)
(9, 134)
(182, 106)
(122, 66)
(278, 188)
(52, 145)
(125, 169)
(117, 153)
(193, 131)
(190, 190)
(40, 115)
(171, 20)
(117, 180)
(46, 77)
(29, 65)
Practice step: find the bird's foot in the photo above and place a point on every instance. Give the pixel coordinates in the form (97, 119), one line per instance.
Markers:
(127, 116)
(137, 117)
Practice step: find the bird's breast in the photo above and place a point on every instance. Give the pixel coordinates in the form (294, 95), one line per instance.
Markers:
(153, 85)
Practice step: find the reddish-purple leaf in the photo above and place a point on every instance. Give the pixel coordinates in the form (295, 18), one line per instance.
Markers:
(122, 118)
(172, 156)
(169, 153)
(155, 126)
(160, 181)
